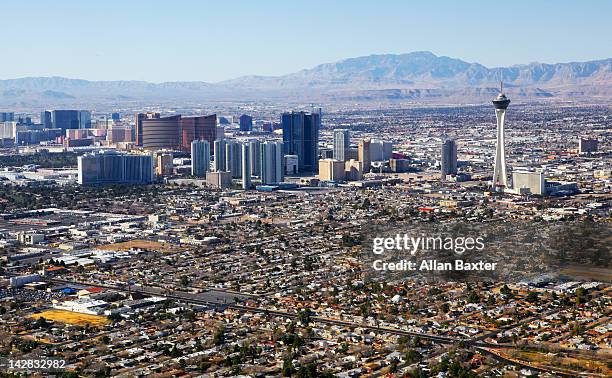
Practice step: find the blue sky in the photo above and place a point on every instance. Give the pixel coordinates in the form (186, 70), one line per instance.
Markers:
(217, 40)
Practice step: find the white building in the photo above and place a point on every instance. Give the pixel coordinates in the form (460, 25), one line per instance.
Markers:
(82, 305)
(271, 162)
(200, 157)
(291, 164)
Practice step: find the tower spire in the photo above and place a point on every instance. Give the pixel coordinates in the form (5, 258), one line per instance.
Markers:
(500, 103)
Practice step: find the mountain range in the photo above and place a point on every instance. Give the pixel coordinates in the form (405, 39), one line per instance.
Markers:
(417, 76)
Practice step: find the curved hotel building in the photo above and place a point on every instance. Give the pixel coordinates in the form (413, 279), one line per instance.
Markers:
(176, 132)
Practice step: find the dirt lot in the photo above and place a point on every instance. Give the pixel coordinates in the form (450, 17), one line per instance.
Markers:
(149, 245)
(70, 317)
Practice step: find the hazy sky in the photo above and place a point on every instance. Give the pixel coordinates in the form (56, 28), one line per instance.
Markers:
(223, 39)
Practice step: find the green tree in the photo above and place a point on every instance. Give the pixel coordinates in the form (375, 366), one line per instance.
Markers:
(219, 336)
(532, 297)
(288, 368)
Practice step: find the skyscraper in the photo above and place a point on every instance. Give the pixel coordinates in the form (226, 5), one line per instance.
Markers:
(271, 162)
(138, 117)
(364, 154)
(254, 147)
(246, 123)
(7, 116)
(160, 133)
(587, 145)
(341, 144)
(115, 116)
(500, 180)
(84, 119)
(110, 167)
(380, 150)
(233, 158)
(65, 119)
(449, 158)
(246, 166)
(45, 119)
(301, 138)
(197, 128)
(200, 157)
(177, 132)
(219, 155)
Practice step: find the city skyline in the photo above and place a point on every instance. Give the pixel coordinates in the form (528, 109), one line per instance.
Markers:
(383, 215)
(271, 41)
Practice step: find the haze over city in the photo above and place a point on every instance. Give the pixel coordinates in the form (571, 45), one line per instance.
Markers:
(213, 41)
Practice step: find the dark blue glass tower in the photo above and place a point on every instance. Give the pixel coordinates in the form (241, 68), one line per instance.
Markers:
(301, 138)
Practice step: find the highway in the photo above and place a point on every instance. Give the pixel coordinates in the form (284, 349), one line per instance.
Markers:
(221, 298)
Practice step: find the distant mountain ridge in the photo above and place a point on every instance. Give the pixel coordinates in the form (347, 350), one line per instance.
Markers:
(412, 76)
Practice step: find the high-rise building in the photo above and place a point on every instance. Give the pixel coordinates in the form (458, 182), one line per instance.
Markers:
(341, 144)
(363, 152)
(587, 145)
(165, 164)
(116, 117)
(331, 170)
(200, 157)
(138, 118)
(352, 153)
(119, 134)
(176, 132)
(66, 119)
(233, 158)
(387, 150)
(8, 129)
(219, 155)
(376, 150)
(500, 179)
(7, 116)
(45, 119)
(104, 124)
(246, 123)
(110, 167)
(254, 149)
(301, 138)
(271, 162)
(84, 119)
(219, 132)
(380, 150)
(161, 133)
(246, 166)
(529, 181)
(197, 128)
(449, 158)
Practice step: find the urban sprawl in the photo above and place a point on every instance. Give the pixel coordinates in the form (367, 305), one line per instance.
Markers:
(176, 241)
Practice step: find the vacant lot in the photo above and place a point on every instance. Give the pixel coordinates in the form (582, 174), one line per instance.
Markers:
(70, 317)
(586, 362)
(148, 245)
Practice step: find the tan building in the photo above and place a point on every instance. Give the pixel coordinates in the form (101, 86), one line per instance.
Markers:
(531, 181)
(220, 179)
(364, 154)
(331, 170)
(164, 164)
